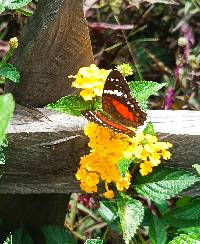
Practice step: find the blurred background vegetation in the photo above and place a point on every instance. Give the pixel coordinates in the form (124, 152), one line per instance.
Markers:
(163, 38)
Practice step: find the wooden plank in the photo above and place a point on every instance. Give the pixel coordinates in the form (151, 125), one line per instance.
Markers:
(54, 44)
(45, 147)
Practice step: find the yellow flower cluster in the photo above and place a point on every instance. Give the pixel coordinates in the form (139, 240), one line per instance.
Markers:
(91, 80)
(107, 148)
(148, 151)
(101, 163)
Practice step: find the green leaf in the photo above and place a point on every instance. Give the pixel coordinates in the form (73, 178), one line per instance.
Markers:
(3, 145)
(183, 201)
(2, 7)
(71, 104)
(142, 90)
(188, 230)
(164, 183)
(149, 129)
(56, 235)
(94, 241)
(162, 205)
(24, 12)
(15, 4)
(123, 165)
(197, 167)
(108, 210)
(10, 72)
(131, 213)
(157, 231)
(7, 106)
(186, 239)
(19, 237)
(186, 216)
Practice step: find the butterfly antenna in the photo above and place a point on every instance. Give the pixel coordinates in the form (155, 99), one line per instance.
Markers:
(129, 48)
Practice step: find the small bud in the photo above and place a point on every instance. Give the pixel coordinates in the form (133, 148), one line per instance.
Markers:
(125, 69)
(182, 41)
(13, 43)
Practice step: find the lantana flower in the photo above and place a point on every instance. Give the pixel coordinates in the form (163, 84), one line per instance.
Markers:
(91, 80)
(107, 148)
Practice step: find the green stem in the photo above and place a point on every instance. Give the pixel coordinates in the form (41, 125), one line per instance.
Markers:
(105, 234)
(141, 238)
(7, 57)
(72, 214)
(129, 48)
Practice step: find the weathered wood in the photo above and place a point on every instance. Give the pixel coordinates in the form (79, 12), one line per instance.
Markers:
(44, 151)
(54, 44)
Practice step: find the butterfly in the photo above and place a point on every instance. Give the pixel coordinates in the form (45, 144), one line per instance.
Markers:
(121, 112)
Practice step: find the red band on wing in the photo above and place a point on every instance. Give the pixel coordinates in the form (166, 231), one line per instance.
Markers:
(112, 124)
(124, 111)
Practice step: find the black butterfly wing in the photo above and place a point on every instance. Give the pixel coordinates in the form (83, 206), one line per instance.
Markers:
(118, 102)
(104, 121)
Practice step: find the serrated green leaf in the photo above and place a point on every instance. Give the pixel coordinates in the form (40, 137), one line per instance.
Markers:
(15, 4)
(186, 216)
(164, 183)
(149, 129)
(197, 167)
(142, 90)
(186, 239)
(10, 72)
(56, 235)
(71, 104)
(19, 237)
(131, 213)
(7, 106)
(108, 210)
(123, 165)
(94, 241)
(157, 231)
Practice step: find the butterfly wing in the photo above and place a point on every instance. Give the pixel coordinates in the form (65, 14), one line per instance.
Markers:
(104, 121)
(118, 102)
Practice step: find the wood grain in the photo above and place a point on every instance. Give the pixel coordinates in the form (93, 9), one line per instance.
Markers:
(54, 44)
(45, 147)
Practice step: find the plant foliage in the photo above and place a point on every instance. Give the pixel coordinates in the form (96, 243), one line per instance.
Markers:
(12, 4)
(142, 90)
(94, 241)
(164, 183)
(131, 213)
(19, 237)
(157, 231)
(56, 235)
(72, 104)
(186, 239)
(186, 216)
(6, 110)
(10, 72)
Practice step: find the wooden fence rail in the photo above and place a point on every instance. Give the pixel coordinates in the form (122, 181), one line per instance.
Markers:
(45, 147)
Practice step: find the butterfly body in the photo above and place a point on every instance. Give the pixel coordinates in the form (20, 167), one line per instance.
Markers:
(121, 111)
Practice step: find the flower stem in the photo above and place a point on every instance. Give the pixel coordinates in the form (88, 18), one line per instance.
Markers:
(7, 57)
